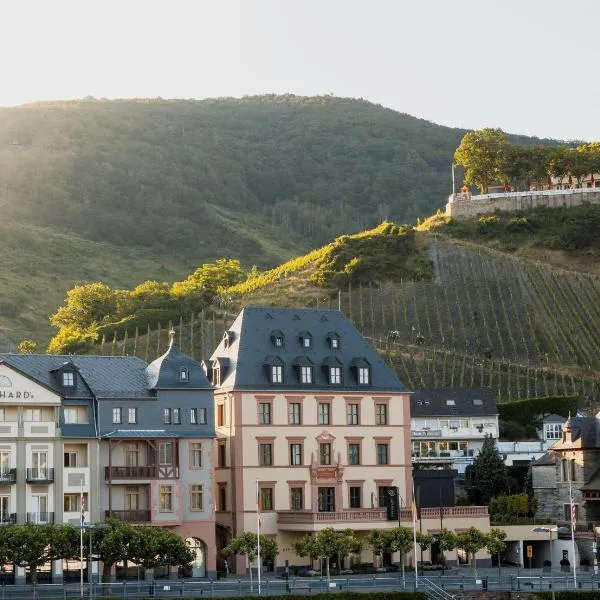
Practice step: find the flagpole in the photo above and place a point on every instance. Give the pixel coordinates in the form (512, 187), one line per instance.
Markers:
(414, 513)
(573, 533)
(453, 182)
(258, 535)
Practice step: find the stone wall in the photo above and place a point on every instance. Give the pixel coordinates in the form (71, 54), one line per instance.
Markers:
(469, 208)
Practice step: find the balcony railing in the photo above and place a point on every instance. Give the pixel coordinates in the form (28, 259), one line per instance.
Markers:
(40, 475)
(130, 516)
(295, 517)
(8, 519)
(138, 472)
(8, 476)
(40, 517)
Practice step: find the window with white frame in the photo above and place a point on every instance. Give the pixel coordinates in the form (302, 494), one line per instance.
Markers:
(167, 416)
(196, 497)
(177, 416)
(132, 414)
(264, 413)
(295, 454)
(196, 455)
(116, 414)
(352, 414)
(198, 416)
(381, 414)
(306, 374)
(276, 374)
(335, 375)
(553, 431)
(165, 453)
(68, 379)
(166, 498)
(363, 375)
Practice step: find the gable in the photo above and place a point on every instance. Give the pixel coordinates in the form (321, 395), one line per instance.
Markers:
(16, 388)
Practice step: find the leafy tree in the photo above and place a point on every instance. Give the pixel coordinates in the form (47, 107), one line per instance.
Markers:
(481, 153)
(495, 543)
(559, 163)
(202, 286)
(246, 544)
(72, 340)
(488, 474)
(401, 541)
(152, 547)
(447, 540)
(85, 306)
(113, 544)
(424, 540)
(378, 541)
(326, 543)
(472, 541)
(34, 545)
(27, 347)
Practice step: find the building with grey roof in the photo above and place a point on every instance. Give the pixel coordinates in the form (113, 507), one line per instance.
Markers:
(132, 441)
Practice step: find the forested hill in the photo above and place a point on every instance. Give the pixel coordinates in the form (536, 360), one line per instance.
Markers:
(198, 176)
(125, 191)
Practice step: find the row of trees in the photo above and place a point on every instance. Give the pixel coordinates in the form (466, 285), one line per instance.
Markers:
(330, 542)
(94, 309)
(487, 156)
(33, 546)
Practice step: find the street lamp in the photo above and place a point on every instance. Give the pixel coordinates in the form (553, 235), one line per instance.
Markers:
(90, 528)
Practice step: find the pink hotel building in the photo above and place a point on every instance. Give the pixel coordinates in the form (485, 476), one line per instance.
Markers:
(308, 409)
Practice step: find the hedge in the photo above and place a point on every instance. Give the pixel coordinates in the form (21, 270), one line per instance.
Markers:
(526, 411)
(574, 595)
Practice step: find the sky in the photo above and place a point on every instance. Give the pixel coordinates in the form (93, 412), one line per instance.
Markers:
(526, 66)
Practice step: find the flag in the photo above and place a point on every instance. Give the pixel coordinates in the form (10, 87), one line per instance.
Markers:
(573, 514)
(82, 502)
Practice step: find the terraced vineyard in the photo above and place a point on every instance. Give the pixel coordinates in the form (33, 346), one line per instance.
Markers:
(523, 329)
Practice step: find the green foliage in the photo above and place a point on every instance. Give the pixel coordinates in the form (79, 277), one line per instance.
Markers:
(153, 547)
(387, 253)
(495, 543)
(487, 475)
(472, 541)
(481, 154)
(27, 347)
(329, 542)
(246, 544)
(514, 505)
(526, 412)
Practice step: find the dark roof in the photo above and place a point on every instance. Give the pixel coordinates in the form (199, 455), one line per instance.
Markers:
(554, 419)
(593, 483)
(141, 433)
(581, 432)
(253, 344)
(472, 402)
(165, 371)
(104, 376)
(547, 459)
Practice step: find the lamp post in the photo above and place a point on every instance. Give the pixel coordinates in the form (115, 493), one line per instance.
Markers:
(90, 528)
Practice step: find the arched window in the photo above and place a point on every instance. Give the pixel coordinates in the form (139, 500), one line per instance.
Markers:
(198, 547)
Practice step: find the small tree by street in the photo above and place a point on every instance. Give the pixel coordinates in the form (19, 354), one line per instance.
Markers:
(447, 541)
(246, 544)
(424, 540)
(495, 543)
(401, 540)
(153, 547)
(472, 541)
(326, 543)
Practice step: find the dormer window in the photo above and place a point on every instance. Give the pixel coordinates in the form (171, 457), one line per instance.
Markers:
(274, 369)
(183, 375)
(333, 370)
(216, 374)
(68, 379)
(364, 376)
(304, 369)
(333, 339)
(277, 339)
(305, 339)
(276, 374)
(362, 370)
(335, 375)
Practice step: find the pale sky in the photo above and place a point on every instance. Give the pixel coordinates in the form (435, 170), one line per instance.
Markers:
(527, 66)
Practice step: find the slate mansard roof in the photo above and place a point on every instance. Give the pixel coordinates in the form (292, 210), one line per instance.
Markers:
(101, 376)
(450, 402)
(111, 376)
(262, 337)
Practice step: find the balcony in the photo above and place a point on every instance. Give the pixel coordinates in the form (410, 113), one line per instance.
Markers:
(8, 476)
(129, 516)
(306, 520)
(137, 472)
(8, 519)
(40, 518)
(40, 475)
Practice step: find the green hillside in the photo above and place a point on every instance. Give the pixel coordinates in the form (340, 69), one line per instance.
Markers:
(178, 183)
